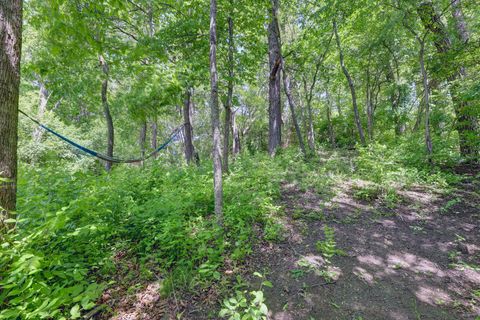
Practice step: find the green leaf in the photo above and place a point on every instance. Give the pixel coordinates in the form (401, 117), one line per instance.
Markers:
(75, 312)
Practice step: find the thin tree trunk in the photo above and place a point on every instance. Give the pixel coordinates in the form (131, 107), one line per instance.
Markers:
(229, 104)
(10, 53)
(351, 85)
(236, 136)
(291, 103)
(274, 102)
(309, 96)
(153, 142)
(188, 131)
(426, 101)
(217, 161)
(42, 108)
(331, 133)
(106, 112)
(369, 108)
(143, 139)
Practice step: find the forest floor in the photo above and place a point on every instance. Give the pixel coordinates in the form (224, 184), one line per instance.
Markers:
(417, 260)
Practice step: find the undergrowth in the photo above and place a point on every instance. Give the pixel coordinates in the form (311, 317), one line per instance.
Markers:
(78, 233)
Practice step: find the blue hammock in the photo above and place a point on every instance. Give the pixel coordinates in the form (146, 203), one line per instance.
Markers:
(103, 156)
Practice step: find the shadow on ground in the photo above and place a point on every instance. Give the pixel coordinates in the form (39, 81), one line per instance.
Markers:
(419, 260)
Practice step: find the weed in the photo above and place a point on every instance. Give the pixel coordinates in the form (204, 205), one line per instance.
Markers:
(328, 247)
(246, 305)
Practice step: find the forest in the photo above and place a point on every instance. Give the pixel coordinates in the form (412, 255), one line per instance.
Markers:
(240, 159)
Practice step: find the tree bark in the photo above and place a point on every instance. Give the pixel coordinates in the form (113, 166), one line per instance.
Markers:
(274, 102)
(291, 103)
(188, 131)
(229, 104)
(106, 112)
(351, 85)
(217, 161)
(10, 53)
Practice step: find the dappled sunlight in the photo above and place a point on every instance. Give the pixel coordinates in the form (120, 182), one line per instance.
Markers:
(414, 263)
(364, 275)
(144, 305)
(371, 260)
(312, 261)
(432, 295)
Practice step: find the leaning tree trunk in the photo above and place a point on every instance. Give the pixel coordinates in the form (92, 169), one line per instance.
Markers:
(10, 52)
(217, 161)
(291, 103)
(229, 104)
(106, 112)
(274, 102)
(466, 124)
(351, 85)
(188, 131)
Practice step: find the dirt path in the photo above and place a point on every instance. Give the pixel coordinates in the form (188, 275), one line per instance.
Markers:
(417, 261)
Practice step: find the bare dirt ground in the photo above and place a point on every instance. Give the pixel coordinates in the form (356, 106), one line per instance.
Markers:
(419, 260)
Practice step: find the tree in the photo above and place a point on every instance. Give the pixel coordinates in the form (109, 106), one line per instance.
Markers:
(187, 129)
(10, 52)
(106, 111)
(229, 104)
(215, 117)
(466, 123)
(350, 85)
(275, 61)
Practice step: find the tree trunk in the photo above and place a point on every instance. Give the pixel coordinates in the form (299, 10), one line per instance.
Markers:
(236, 136)
(274, 102)
(153, 142)
(106, 112)
(229, 104)
(42, 107)
(309, 96)
(143, 139)
(469, 142)
(426, 101)
(217, 161)
(188, 131)
(351, 85)
(10, 52)
(466, 124)
(291, 103)
(369, 108)
(331, 133)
